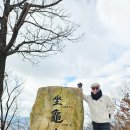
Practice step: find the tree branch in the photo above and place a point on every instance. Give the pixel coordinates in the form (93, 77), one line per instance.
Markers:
(37, 25)
(19, 4)
(9, 103)
(7, 1)
(17, 27)
(45, 6)
(12, 117)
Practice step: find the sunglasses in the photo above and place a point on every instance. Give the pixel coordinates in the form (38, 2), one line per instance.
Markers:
(95, 88)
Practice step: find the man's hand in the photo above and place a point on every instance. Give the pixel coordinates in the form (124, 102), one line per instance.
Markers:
(80, 92)
(80, 85)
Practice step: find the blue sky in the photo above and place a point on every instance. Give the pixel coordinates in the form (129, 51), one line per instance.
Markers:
(102, 56)
(68, 79)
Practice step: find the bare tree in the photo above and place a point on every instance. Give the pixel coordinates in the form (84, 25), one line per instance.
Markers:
(122, 115)
(20, 124)
(9, 103)
(32, 28)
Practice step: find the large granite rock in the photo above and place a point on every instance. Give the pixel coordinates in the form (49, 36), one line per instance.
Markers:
(57, 108)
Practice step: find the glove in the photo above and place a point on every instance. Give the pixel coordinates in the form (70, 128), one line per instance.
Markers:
(109, 115)
(79, 85)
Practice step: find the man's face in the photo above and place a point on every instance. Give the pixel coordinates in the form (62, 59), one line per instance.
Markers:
(95, 89)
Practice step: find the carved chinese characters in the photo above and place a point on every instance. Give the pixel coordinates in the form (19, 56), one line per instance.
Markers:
(57, 108)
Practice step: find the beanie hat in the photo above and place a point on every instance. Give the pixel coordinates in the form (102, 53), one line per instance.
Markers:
(95, 85)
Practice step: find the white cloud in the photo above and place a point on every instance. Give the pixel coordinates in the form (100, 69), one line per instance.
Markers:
(115, 14)
(103, 56)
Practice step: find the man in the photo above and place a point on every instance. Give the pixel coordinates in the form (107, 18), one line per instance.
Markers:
(101, 107)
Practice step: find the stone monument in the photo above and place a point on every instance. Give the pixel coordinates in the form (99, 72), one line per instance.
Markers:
(57, 108)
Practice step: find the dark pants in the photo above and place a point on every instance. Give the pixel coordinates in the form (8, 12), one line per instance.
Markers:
(101, 126)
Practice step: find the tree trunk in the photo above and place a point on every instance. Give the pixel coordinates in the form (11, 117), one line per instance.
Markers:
(2, 127)
(2, 75)
(2, 71)
(3, 34)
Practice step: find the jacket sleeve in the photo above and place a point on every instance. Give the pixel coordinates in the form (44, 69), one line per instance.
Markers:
(111, 106)
(82, 95)
(85, 97)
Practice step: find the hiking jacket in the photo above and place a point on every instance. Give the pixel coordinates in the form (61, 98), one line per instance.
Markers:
(100, 109)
